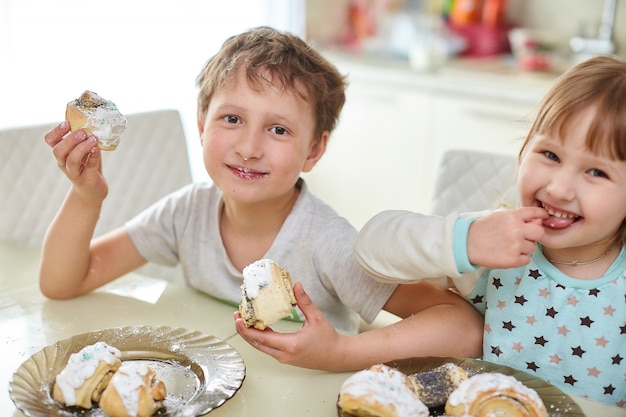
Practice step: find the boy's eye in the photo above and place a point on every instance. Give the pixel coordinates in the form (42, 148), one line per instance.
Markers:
(231, 119)
(279, 130)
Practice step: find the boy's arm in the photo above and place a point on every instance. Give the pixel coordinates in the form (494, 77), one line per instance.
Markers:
(71, 265)
(440, 324)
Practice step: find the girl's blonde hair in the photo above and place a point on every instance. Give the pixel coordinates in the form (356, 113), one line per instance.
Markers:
(290, 63)
(599, 82)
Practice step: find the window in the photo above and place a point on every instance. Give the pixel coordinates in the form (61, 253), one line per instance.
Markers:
(142, 54)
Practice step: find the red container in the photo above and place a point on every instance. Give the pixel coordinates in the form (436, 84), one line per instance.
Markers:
(483, 40)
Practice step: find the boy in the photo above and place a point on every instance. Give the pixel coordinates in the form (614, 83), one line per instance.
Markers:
(267, 104)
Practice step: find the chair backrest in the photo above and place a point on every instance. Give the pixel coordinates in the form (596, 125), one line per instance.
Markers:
(150, 162)
(468, 180)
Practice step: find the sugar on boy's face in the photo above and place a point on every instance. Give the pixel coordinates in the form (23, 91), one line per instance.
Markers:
(585, 193)
(256, 143)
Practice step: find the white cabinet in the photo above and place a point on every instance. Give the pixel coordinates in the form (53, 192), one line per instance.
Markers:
(395, 125)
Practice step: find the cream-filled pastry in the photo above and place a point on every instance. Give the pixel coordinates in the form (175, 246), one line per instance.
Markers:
(380, 391)
(266, 294)
(98, 117)
(134, 391)
(86, 375)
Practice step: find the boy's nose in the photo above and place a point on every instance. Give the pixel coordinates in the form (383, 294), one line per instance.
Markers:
(249, 145)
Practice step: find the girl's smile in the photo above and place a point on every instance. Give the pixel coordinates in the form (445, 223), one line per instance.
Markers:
(559, 219)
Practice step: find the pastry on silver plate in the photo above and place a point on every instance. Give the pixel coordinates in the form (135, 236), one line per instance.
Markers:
(134, 391)
(494, 394)
(86, 375)
(380, 391)
(434, 386)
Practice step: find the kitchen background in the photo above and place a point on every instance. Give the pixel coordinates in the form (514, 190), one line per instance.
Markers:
(418, 85)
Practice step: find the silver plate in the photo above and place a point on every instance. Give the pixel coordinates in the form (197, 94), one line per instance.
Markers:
(200, 371)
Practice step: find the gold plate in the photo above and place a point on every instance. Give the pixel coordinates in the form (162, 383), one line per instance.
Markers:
(200, 371)
(556, 401)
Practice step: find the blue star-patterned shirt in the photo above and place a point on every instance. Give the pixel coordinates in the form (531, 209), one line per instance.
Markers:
(569, 332)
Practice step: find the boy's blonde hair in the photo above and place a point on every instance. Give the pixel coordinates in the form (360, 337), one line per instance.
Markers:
(285, 59)
(599, 82)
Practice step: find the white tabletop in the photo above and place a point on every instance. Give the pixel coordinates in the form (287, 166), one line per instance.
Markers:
(29, 322)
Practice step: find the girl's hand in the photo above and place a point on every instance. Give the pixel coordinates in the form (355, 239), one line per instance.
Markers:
(312, 346)
(78, 156)
(505, 239)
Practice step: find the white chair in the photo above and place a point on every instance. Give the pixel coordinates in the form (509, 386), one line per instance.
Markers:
(150, 162)
(468, 180)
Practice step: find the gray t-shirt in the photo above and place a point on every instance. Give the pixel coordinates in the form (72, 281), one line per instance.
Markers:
(315, 245)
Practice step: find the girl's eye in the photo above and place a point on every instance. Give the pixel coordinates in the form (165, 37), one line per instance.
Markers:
(552, 156)
(231, 119)
(594, 172)
(279, 130)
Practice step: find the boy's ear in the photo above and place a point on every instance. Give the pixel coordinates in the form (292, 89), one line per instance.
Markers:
(317, 150)
(201, 118)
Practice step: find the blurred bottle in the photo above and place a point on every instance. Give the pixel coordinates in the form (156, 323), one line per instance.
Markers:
(465, 12)
(493, 12)
(446, 9)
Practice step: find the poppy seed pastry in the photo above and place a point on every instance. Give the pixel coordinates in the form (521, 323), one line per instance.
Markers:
(266, 294)
(86, 375)
(380, 391)
(434, 386)
(98, 117)
(489, 394)
(134, 391)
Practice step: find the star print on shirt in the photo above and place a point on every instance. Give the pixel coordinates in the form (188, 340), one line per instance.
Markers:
(601, 341)
(508, 325)
(478, 299)
(497, 282)
(534, 273)
(578, 351)
(520, 300)
(570, 380)
(496, 350)
(623, 329)
(586, 321)
(609, 390)
(617, 359)
(609, 310)
(540, 341)
(532, 366)
(551, 312)
(594, 292)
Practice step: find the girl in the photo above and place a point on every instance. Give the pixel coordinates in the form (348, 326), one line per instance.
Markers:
(548, 277)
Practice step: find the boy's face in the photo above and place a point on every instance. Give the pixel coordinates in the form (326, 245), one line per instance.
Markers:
(256, 143)
(585, 193)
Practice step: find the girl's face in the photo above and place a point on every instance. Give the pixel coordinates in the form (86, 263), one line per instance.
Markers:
(584, 193)
(256, 143)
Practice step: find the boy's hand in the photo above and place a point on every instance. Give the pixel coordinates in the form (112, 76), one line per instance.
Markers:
(309, 347)
(78, 156)
(505, 239)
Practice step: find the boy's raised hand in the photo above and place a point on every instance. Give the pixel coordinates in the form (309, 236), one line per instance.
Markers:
(78, 156)
(309, 347)
(505, 239)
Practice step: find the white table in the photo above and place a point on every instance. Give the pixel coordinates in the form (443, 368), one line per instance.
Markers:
(29, 322)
